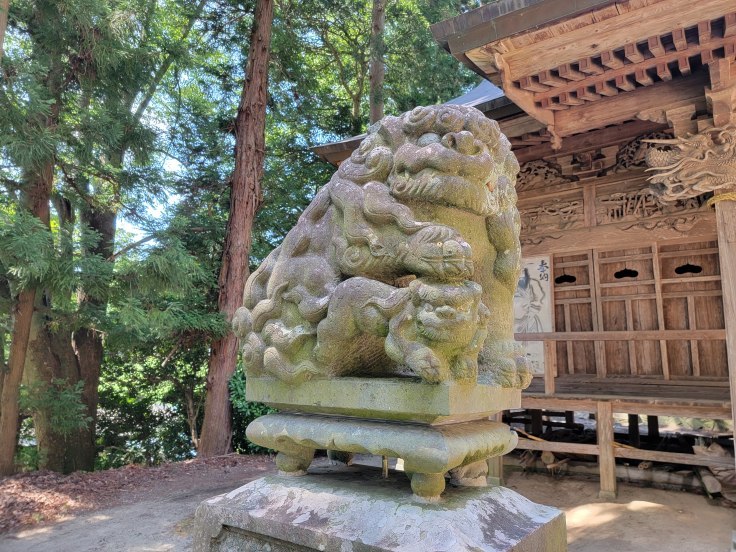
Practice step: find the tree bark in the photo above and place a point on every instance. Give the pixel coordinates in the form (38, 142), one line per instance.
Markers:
(245, 199)
(37, 202)
(4, 8)
(378, 23)
(49, 357)
(87, 343)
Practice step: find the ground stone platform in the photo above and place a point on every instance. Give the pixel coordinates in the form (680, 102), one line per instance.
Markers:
(354, 509)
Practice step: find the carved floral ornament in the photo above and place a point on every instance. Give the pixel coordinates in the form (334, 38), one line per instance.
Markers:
(693, 165)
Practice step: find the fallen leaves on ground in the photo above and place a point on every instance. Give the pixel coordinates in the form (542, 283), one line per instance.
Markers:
(41, 496)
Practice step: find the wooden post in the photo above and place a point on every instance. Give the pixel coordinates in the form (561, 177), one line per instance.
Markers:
(606, 458)
(634, 439)
(537, 428)
(569, 419)
(726, 225)
(653, 429)
(550, 366)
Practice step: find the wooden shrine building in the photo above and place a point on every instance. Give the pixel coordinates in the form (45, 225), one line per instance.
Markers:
(639, 274)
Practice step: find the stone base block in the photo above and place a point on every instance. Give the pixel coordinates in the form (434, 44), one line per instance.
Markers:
(353, 509)
(400, 399)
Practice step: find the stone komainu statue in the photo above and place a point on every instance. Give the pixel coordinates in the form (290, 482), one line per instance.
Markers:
(405, 263)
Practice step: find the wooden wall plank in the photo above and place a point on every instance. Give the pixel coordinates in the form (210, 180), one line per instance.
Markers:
(660, 310)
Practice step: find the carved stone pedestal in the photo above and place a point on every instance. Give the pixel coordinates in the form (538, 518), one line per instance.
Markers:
(354, 509)
(428, 451)
(434, 428)
(400, 399)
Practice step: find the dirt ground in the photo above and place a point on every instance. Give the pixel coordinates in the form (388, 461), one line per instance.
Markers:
(151, 510)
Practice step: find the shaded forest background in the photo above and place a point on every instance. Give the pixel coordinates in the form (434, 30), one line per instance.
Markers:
(117, 136)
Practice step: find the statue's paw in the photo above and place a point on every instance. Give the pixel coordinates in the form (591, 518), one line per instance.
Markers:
(242, 322)
(252, 350)
(440, 252)
(502, 373)
(425, 364)
(523, 373)
(466, 370)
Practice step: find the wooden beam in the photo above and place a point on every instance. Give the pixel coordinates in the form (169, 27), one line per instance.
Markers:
(623, 74)
(524, 99)
(519, 125)
(590, 140)
(679, 39)
(632, 53)
(704, 32)
(532, 84)
(729, 28)
(552, 105)
(643, 78)
(567, 72)
(626, 335)
(672, 457)
(636, 25)
(663, 72)
(605, 89)
(654, 44)
(587, 65)
(642, 405)
(557, 446)
(546, 77)
(624, 82)
(611, 60)
(683, 64)
(609, 111)
(726, 226)
(569, 98)
(585, 94)
(606, 458)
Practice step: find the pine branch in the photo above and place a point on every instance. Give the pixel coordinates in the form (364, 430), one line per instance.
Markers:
(132, 246)
(158, 77)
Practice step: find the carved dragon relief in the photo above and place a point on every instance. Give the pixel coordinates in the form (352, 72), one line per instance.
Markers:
(538, 174)
(632, 155)
(693, 165)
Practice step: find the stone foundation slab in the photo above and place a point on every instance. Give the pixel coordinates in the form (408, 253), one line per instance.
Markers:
(355, 510)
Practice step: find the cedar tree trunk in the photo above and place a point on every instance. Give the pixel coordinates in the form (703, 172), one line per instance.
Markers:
(245, 199)
(378, 22)
(37, 201)
(4, 8)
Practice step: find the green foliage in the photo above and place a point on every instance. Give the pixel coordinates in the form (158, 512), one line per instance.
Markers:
(26, 248)
(73, 80)
(26, 455)
(59, 400)
(244, 412)
(143, 408)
